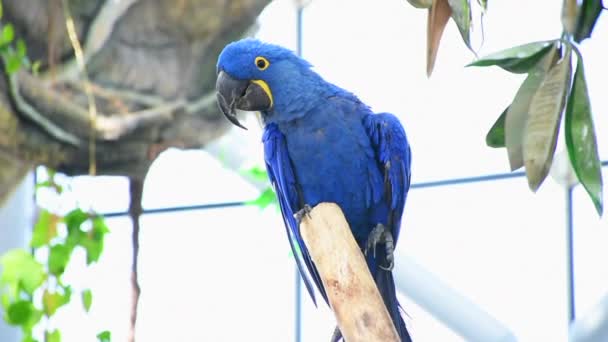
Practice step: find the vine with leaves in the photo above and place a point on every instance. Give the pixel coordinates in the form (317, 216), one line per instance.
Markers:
(32, 287)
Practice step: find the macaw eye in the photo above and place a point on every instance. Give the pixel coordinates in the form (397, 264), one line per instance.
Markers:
(262, 63)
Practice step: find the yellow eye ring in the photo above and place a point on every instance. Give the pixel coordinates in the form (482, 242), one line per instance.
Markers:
(262, 63)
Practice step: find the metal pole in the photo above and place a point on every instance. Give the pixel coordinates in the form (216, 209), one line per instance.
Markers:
(16, 222)
(570, 255)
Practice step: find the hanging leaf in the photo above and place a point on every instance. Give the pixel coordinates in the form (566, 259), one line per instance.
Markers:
(496, 135)
(483, 4)
(517, 115)
(438, 17)
(569, 15)
(518, 59)
(541, 130)
(421, 3)
(580, 137)
(589, 12)
(461, 13)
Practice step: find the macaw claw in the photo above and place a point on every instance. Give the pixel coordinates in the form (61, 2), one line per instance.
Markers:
(381, 234)
(299, 215)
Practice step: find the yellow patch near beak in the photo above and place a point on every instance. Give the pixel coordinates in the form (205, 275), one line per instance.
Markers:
(266, 89)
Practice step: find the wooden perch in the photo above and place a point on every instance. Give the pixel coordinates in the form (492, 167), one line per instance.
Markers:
(351, 290)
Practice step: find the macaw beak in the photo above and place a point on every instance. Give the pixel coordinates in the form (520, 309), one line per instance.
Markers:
(246, 95)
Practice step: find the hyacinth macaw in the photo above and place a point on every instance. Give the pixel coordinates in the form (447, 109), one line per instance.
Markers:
(322, 144)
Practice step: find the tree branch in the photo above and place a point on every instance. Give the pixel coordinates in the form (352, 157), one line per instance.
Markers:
(98, 34)
(351, 290)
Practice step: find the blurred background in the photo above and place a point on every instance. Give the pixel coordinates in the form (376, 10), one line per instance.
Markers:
(214, 263)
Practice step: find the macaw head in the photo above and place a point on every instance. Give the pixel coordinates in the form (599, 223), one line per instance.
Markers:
(257, 76)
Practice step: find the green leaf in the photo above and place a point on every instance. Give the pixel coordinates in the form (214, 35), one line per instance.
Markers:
(544, 117)
(45, 229)
(93, 243)
(519, 59)
(1, 9)
(104, 336)
(54, 336)
(496, 135)
(13, 63)
(23, 313)
(589, 12)
(21, 48)
(266, 198)
(483, 4)
(19, 313)
(51, 301)
(461, 13)
(19, 267)
(75, 218)
(59, 256)
(7, 35)
(580, 138)
(87, 299)
(256, 173)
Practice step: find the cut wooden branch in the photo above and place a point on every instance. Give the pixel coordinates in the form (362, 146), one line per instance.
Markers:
(351, 290)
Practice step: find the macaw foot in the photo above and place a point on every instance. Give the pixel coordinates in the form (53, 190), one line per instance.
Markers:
(299, 215)
(381, 234)
(337, 335)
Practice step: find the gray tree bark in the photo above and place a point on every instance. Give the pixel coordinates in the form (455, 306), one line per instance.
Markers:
(151, 64)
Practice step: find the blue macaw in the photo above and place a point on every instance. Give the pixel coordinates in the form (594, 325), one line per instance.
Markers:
(322, 144)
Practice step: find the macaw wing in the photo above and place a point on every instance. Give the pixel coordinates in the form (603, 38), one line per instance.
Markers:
(282, 178)
(394, 158)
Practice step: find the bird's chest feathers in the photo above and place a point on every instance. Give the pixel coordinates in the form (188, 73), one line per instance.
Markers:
(333, 161)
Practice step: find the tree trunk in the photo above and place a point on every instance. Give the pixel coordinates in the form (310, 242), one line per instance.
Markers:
(151, 66)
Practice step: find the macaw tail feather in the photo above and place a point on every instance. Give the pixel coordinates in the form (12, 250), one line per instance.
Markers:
(386, 285)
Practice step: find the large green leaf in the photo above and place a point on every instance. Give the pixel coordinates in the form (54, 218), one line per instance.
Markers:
(589, 12)
(19, 267)
(580, 138)
(461, 13)
(23, 313)
(543, 122)
(496, 134)
(518, 59)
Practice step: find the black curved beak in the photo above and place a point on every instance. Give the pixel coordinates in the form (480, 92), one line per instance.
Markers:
(235, 94)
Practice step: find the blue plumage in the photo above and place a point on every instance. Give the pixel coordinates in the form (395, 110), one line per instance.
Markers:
(322, 144)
